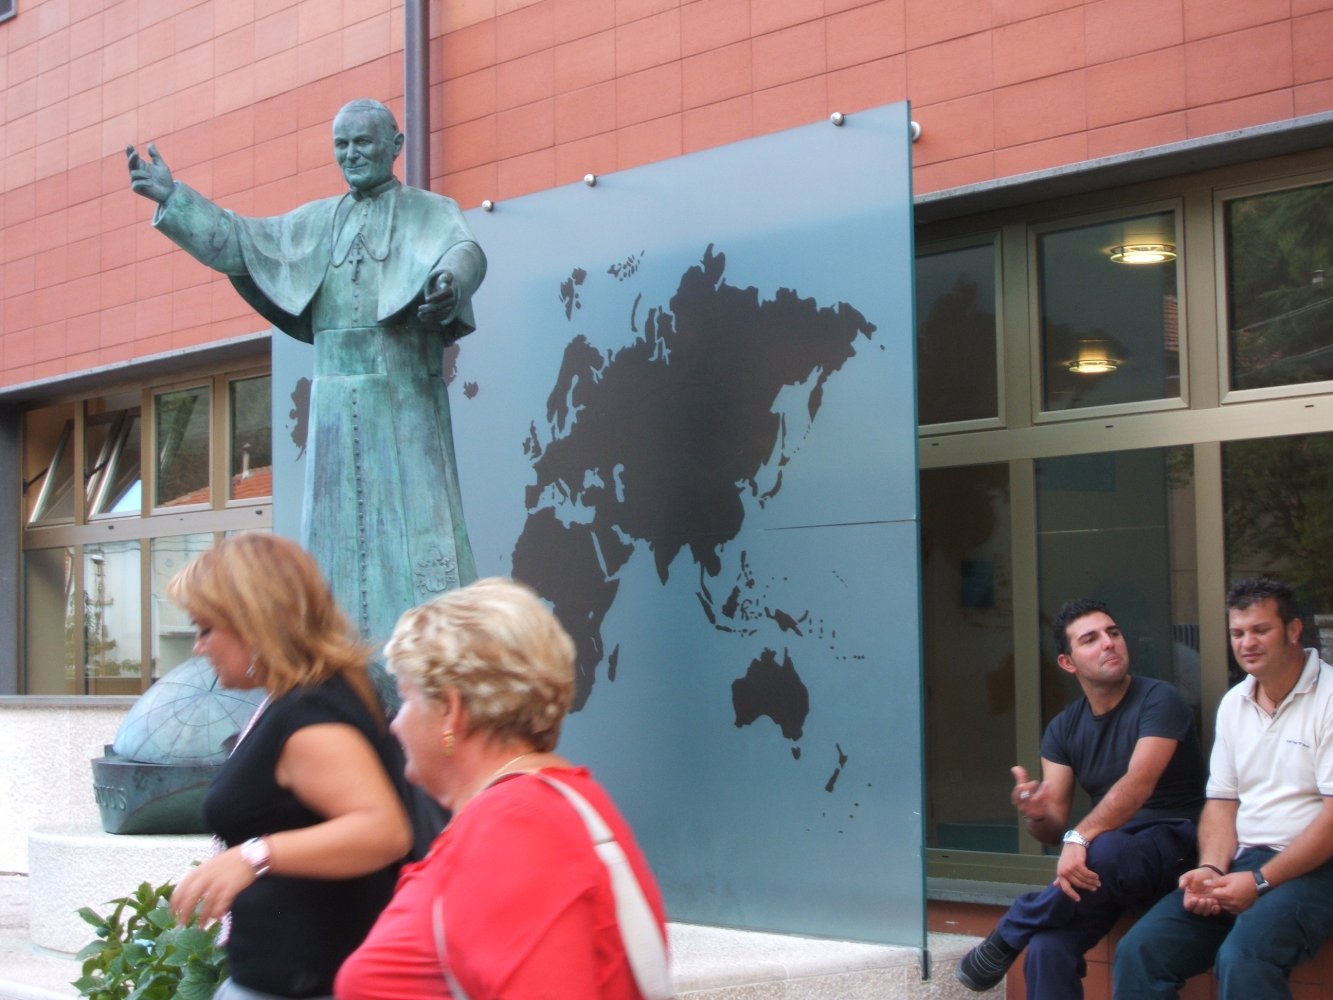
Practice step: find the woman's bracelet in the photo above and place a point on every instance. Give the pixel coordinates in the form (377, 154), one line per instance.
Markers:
(1212, 868)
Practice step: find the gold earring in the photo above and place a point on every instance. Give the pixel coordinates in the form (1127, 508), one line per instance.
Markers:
(447, 742)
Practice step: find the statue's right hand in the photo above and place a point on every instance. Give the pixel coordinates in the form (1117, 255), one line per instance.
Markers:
(152, 177)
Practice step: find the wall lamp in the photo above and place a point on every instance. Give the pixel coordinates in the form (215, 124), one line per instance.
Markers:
(1143, 253)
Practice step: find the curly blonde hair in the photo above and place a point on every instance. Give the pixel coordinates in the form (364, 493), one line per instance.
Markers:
(270, 592)
(500, 648)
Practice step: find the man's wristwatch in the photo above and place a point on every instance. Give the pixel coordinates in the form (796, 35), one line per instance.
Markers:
(1261, 883)
(1074, 837)
(255, 853)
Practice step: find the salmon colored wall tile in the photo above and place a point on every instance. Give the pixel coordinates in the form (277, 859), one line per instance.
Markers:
(579, 18)
(193, 26)
(945, 70)
(19, 205)
(649, 142)
(469, 187)
(930, 21)
(632, 10)
(1313, 98)
(790, 54)
(1137, 87)
(19, 277)
(716, 75)
(314, 153)
(1012, 11)
(84, 109)
(468, 50)
(277, 33)
(1041, 46)
(315, 58)
(585, 112)
(1243, 62)
(190, 306)
(647, 42)
(383, 77)
(838, 6)
(48, 269)
(526, 129)
(51, 231)
(152, 277)
(957, 172)
(463, 13)
(85, 75)
(1312, 40)
(85, 36)
(467, 97)
(53, 51)
(81, 334)
(316, 18)
(525, 31)
(1208, 18)
(362, 10)
(368, 40)
(120, 20)
(84, 257)
(233, 14)
(711, 24)
(791, 105)
(595, 154)
(868, 85)
(653, 93)
(525, 174)
(468, 145)
(524, 80)
(48, 369)
(774, 15)
(954, 129)
(717, 124)
(1143, 134)
(865, 34)
(1040, 109)
(153, 316)
(585, 61)
(1227, 115)
(1055, 152)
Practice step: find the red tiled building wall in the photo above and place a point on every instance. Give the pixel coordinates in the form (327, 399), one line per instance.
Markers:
(530, 94)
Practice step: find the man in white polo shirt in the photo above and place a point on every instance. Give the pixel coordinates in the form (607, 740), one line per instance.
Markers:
(1261, 900)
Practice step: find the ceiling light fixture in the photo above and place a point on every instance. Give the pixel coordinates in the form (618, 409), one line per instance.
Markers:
(1143, 253)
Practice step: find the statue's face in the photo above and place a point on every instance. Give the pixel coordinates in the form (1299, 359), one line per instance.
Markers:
(365, 147)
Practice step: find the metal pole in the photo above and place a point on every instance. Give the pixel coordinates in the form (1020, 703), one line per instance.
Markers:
(416, 92)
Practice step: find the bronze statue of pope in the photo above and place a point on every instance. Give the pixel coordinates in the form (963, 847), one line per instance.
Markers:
(380, 280)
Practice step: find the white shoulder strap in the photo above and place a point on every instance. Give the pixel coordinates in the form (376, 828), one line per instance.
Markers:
(644, 945)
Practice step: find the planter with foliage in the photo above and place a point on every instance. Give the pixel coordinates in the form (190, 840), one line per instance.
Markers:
(142, 953)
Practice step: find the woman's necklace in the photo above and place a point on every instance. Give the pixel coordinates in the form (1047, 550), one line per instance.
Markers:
(505, 766)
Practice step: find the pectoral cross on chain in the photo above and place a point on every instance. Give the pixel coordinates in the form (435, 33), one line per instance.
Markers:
(356, 255)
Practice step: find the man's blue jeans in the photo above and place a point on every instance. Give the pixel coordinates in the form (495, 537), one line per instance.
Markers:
(1137, 864)
(1252, 953)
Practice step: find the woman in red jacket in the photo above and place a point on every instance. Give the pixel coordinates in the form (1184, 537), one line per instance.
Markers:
(513, 900)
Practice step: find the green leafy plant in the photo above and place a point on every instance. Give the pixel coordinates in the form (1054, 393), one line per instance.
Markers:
(142, 953)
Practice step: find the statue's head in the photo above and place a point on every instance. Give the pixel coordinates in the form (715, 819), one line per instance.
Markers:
(366, 141)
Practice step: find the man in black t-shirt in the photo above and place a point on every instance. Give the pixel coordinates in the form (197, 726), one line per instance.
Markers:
(1130, 743)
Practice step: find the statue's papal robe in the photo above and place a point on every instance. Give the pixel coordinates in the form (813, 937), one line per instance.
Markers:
(382, 513)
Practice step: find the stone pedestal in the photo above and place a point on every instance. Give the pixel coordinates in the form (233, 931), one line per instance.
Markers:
(77, 865)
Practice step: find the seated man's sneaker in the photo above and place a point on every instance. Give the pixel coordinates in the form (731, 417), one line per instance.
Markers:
(985, 965)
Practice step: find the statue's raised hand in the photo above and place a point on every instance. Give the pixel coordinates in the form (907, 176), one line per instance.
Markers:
(152, 177)
(441, 300)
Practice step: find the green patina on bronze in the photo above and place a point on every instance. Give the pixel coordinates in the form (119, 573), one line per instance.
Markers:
(380, 279)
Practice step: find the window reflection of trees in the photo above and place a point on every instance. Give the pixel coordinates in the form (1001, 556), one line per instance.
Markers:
(1280, 287)
(1278, 496)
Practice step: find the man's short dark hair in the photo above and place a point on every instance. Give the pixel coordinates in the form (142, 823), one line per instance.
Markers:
(1253, 589)
(1069, 612)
